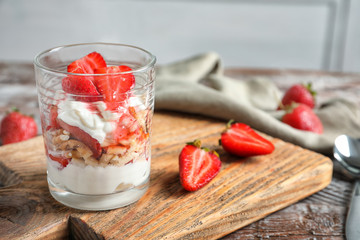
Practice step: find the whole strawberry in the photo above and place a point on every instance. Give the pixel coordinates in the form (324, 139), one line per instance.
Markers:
(299, 93)
(300, 116)
(16, 127)
(197, 166)
(241, 140)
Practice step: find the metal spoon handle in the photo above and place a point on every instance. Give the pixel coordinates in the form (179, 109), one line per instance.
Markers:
(352, 230)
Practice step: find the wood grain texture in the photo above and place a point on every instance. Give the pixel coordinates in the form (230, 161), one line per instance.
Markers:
(333, 200)
(244, 191)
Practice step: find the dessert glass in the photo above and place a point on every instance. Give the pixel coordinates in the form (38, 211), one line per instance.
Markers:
(98, 154)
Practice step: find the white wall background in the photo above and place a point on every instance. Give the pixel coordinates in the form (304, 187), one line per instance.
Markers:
(301, 34)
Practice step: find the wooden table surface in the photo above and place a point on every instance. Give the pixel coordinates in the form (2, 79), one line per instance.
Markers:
(320, 216)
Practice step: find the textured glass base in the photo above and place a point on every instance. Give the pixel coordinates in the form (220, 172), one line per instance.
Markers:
(98, 202)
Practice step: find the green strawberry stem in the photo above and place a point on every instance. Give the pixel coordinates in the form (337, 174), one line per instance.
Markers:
(15, 109)
(228, 126)
(12, 109)
(308, 86)
(291, 107)
(230, 122)
(281, 105)
(197, 143)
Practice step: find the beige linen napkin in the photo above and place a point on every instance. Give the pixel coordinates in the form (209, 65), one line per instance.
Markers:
(198, 85)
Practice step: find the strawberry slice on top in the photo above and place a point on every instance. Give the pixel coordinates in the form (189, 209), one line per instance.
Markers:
(113, 85)
(197, 166)
(80, 86)
(241, 140)
(87, 64)
(83, 85)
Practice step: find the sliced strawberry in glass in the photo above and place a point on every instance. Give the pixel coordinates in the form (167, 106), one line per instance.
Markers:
(83, 137)
(124, 128)
(83, 85)
(87, 64)
(113, 85)
(62, 160)
(53, 117)
(80, 86)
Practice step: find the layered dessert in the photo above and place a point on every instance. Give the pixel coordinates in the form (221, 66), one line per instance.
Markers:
(96, 129)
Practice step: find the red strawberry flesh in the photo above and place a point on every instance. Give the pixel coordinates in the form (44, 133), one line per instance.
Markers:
(241, 140)
(80, 86)
(83, 137)
(53, 117)
(114, 85)
(87, 64)
(63, 161)
(197, 167)
(83, 85)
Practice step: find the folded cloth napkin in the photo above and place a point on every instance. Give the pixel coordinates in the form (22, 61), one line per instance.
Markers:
(198, 85)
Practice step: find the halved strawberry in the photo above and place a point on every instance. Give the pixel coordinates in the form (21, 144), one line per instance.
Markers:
(114, 86)
(83, 85)
(84, 137)
(197, 166)
(87, 64)
(79, 85)
(241, 140)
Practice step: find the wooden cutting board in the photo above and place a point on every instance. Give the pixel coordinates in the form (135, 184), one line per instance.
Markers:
(244, 191)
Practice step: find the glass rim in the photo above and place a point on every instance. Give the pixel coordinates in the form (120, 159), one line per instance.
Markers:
(150, 64)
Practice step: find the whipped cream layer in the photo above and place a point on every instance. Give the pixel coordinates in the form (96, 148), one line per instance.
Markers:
(78, 114)
(98, 180)
(97, 125)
